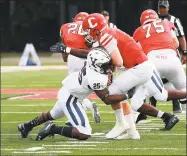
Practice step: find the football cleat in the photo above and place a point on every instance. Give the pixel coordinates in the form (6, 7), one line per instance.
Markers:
(95, 113)
(117, 130)
(170, 122)
(129, 135)
(23, 130)
(45, 131)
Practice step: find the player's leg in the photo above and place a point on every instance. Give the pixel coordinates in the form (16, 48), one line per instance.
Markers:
(73, 110)
(121, 124)
(122, 83)
(178, 79)
(132, 133)
(26, 127)
(137, 104)
(176, 104)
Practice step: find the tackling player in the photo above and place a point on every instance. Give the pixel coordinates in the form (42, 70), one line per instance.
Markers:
(93, 77)
(159, 42)
(140, 70)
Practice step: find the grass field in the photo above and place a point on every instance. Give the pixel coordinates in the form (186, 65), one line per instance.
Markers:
(153, 140)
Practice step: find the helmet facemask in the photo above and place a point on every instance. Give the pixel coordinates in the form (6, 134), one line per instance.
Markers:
(90, 37)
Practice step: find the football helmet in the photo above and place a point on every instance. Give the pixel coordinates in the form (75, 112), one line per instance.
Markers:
(80, 16)
(148, 16)
(99, 60)
(93, 25)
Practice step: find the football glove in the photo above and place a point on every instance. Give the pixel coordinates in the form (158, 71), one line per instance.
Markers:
(58, 47)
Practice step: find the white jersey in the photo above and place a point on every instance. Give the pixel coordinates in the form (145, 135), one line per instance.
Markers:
(81, 84)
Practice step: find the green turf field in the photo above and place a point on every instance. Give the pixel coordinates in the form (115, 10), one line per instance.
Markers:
(153, 141)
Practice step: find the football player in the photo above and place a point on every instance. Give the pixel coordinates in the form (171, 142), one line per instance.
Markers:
(160, 43)
(93, 77)
(72, 36)
(140, 70)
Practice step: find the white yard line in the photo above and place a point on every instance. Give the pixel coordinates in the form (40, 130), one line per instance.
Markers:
(17, 97)
(31, 68)
(82, 142)
(42, 152)
(74, 145)
(34, 148)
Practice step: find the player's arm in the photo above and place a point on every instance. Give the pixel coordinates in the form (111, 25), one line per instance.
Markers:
(61, 48)
(112, 48)
(113, 99)
(116, 58)
(175, 39)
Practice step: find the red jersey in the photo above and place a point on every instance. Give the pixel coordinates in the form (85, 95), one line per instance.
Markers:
(155, 36)
(72, 35)
(130, 51)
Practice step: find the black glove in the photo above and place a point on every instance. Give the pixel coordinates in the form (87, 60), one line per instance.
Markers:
(58, 47)
(131, 92)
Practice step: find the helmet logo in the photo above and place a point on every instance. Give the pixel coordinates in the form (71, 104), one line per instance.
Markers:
(90, 22)
(93, 61)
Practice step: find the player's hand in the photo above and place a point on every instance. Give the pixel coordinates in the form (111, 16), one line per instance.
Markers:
(58, 47)
(183, 59)
(131, 92)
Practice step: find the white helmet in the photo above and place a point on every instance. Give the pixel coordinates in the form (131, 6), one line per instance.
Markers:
(99, 60)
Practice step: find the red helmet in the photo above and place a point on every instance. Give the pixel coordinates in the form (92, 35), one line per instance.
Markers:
(93, 25)
(80, 16)
(148, 16)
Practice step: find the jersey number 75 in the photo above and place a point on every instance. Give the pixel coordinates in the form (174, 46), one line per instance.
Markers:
(157, 25)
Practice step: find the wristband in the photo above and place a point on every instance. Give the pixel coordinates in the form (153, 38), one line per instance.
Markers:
(68, 49)
(184, 52)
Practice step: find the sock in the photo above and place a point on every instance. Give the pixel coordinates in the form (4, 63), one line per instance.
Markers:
(88, 104)
(165, 115)
(31, 124)
(65, 131)
(119, 116)
(130, 121)
(160, 114)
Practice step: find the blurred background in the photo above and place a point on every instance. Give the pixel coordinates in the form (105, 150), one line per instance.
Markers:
(39, 21)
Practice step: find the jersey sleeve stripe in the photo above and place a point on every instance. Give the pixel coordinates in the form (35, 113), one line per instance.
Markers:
(104, 37)
(105, 42)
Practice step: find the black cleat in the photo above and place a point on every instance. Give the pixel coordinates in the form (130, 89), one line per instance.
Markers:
(23, 130)
(45, 131)
(141, 117)
(170, 122)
